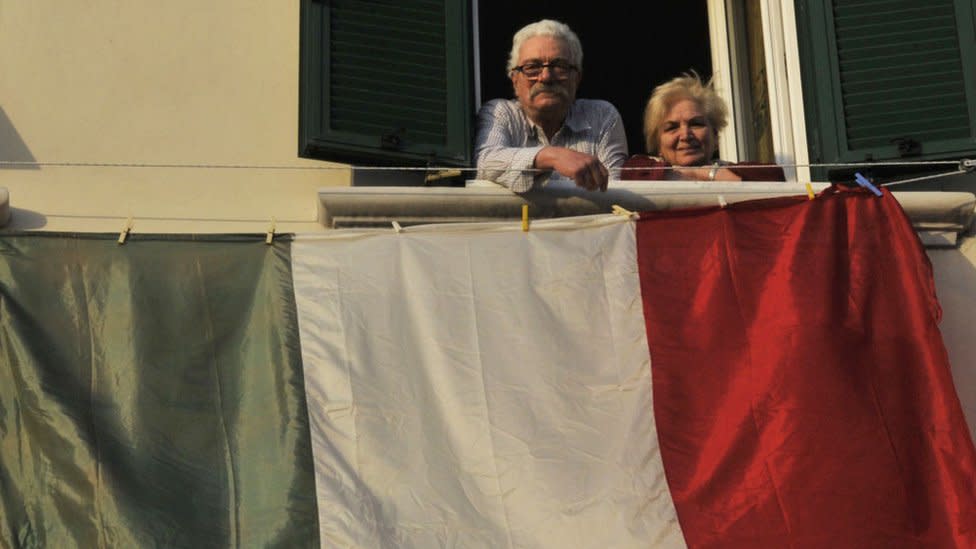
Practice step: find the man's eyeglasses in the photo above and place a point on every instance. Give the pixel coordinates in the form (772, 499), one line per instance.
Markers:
(558, 69)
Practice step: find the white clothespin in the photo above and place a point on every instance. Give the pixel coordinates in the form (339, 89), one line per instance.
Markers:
(124, 233)
(271, 231)
(397, 228)
(721, 201)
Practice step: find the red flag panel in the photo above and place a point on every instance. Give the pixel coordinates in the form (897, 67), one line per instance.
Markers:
(801, 388)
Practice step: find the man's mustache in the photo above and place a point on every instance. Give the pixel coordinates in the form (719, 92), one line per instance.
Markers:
(556, 89)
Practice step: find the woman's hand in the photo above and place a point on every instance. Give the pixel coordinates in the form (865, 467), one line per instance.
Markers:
(703, 173)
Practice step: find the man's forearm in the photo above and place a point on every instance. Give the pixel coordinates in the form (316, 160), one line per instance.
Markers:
(509, 166)
(547, 157)
(584, 169)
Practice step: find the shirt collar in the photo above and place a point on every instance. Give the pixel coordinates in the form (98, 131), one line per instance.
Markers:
(575, 121)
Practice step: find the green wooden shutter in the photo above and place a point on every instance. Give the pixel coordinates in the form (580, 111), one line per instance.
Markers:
(888, 79)
(386, 81)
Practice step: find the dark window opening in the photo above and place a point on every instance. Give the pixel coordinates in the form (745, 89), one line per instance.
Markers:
(628, 48)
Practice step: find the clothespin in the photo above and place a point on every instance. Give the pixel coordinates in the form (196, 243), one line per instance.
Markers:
(810, 193)
(443, 174)
(967, 164)
(525, 218)
(863, 181)
(271, 231)
(721, 201)
(619, 210)
(397, 228)
(125, 230)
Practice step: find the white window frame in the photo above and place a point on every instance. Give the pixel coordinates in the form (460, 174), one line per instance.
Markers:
(727, 59)
(782, 57)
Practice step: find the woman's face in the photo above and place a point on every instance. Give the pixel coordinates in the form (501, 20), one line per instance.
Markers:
(686, 138)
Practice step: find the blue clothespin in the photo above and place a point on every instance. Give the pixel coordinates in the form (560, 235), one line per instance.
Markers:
(863, 181)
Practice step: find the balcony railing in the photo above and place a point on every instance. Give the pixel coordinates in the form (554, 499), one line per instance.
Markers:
(946, 213)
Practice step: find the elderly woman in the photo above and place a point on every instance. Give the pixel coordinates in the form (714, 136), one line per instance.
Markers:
(681, 125)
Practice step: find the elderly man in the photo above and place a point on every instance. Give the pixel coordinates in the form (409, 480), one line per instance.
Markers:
(545, 127)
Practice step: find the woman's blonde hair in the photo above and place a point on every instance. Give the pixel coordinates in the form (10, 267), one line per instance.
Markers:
(686, 86)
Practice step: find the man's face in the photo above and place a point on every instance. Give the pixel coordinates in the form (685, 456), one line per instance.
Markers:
(548, 95)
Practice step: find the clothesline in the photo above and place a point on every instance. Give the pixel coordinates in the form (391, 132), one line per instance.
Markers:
(962, 164)
(443, 172)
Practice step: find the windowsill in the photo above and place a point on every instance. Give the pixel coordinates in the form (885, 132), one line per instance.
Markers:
(342, 207)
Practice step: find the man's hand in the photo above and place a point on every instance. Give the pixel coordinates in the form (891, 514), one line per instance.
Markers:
(585, 169)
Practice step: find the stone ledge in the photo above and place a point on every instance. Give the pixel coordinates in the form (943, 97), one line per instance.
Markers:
(341, 207)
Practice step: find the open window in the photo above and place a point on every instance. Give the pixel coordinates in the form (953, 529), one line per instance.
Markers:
(628, 48)
(394, 82)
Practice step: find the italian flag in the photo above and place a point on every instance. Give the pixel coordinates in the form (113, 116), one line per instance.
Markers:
(768, 374)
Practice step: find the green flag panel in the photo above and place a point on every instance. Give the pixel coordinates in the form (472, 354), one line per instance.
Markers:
(151, 395)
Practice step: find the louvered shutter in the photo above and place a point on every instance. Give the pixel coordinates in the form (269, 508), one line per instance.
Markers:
(386, 81)
(888, 79)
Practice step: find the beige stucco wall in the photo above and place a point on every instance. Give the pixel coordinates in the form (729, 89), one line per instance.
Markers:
(177, 83)
(955, 282)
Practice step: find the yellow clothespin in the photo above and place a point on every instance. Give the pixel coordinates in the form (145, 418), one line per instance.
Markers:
(525, 218)
(810, 192)
(125, 230)
(619, 210)
(271, 231)
(443, 174)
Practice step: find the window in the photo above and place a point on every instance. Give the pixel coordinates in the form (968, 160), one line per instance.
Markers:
(386, 81)
(888, 79)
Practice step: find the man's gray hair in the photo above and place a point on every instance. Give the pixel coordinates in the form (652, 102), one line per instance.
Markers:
(547, 27)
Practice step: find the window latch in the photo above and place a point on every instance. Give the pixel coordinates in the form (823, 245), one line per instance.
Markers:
(907, 146)
(392, 140)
